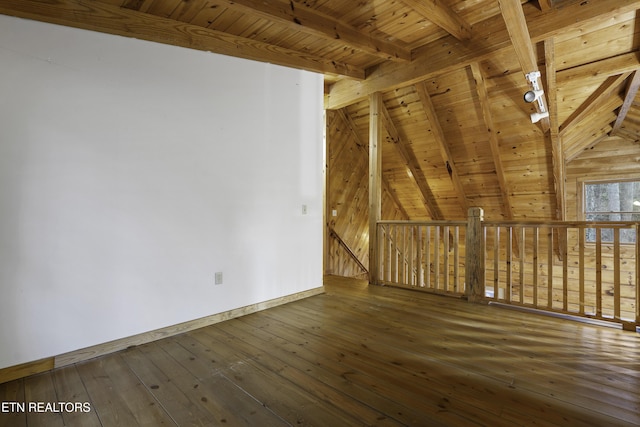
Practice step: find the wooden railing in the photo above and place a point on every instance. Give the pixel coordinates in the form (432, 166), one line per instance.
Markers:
(566, 267)
(427, 255)
(583, 269)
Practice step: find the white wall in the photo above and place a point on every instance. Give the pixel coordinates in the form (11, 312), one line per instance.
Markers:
(131, 172)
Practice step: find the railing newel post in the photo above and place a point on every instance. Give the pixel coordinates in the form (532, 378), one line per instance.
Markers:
(474, 256)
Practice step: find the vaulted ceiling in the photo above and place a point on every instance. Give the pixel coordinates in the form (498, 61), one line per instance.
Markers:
(452, 74)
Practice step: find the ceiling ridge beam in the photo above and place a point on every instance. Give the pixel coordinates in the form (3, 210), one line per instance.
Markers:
(317, 24)
(489, 38)
(411, 162)
(110, 19)
(443, 16)
(438, 133)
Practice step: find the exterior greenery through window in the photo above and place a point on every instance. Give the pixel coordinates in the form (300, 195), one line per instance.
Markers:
(612, 201)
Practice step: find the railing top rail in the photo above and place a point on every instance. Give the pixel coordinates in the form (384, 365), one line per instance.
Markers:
(398, 222)
(574, 224)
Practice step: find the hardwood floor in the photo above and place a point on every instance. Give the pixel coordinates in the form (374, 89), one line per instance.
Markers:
(356, 355)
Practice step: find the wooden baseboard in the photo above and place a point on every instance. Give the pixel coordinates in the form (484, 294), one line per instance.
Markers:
(25, 369)
(30, 368)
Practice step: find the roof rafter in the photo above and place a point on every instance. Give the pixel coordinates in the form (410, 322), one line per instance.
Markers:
(442, 16)
(107, 18)
(557, 152)
(485, 106)
(438, 134)
(632, 89)
(317, 24)
(409, 158)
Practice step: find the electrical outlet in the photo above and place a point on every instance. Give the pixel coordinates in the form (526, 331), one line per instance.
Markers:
(218, 278)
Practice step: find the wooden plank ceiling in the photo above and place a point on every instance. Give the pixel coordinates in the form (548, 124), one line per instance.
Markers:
(451, 74)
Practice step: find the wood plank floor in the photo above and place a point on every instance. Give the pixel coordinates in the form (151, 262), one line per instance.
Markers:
(356, 355)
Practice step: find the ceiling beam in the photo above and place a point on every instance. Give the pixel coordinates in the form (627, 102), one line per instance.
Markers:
(557, 151)
(632, 89)
(485, 107)
(489, 38)
(597, 70)
(442, 16)
(519, 33)
(601, 96)
(439, 136)
(107, 18)
(316, 24)
(413, 166)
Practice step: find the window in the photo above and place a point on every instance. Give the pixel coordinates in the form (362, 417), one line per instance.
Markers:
(612, 201)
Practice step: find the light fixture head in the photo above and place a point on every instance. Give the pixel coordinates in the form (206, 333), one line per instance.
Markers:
(532, 95)
(535, 117)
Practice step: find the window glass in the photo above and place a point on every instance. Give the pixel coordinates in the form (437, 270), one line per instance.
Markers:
(612, 201)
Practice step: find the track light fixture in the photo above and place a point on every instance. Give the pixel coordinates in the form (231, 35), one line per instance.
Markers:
(535, 117)
(536, 95)
(532, 95)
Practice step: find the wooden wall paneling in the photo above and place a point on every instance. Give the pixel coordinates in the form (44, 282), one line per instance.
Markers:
(608, 39)
(164, 8)
(347, 196)
(440, 139)
(411, 163)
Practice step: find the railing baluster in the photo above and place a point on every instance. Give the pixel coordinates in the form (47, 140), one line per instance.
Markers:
(420, 282)
(616, 273)
(508, 293)
(436, 256)
(550, 269)
(565, 267)
(394, 255)
(598, 272)
(637, 284)
(535, 266)
(522, 236)
(382, 235)
(581, 267)
(456, 260)
(496, 263)
(445, 261)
